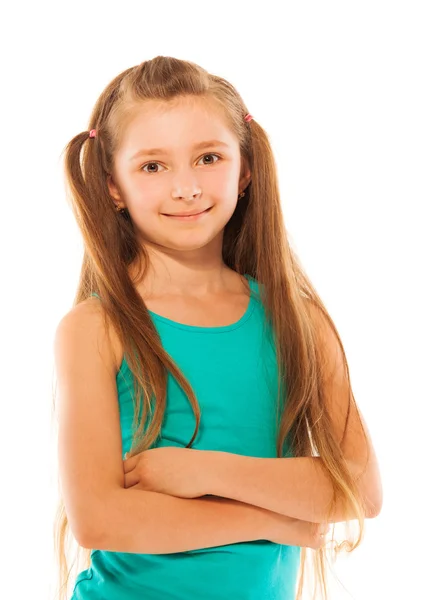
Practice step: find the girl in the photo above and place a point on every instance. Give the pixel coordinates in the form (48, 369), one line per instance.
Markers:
(198, 346)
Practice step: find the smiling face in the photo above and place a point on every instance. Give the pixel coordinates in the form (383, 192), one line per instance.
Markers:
(187, 172)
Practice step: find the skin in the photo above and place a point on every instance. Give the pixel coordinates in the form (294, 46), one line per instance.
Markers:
(186, 260)
(187, 274)
(186, 257)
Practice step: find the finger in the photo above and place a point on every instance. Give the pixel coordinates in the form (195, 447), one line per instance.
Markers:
(131, 479)
(129, 464)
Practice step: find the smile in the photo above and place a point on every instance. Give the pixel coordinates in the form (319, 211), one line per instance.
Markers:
(190, 217)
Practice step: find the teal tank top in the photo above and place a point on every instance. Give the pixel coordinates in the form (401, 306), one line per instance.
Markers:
(233, 372)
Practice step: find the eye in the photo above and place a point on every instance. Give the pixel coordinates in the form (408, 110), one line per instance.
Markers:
(155, 163)
(218, 157)
(147, 165)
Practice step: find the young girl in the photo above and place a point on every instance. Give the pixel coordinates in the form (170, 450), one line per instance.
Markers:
(198, 346)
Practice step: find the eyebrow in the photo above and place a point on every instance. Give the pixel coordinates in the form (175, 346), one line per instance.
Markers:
(156, 151)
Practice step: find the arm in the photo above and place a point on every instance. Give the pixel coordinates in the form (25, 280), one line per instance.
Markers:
(148, 522)
(300, 487)
(295, 487)
(100, 511)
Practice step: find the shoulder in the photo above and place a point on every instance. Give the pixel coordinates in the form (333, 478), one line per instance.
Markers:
(85, 328)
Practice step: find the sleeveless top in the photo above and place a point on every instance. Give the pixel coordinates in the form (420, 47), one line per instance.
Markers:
(233, 372)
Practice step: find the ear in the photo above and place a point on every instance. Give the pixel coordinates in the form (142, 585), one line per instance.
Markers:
(245, 178)
(113, 189)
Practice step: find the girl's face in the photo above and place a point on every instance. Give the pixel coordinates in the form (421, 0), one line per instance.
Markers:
(196, 165)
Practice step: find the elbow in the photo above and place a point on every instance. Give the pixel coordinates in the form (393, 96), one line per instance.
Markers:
(100, 518)
(90, 538)
(87, 530)
(85, 534)
(374, 500)
(372, 513)
(85, 541)
(81, 533)
(370, 487)
(373, 509)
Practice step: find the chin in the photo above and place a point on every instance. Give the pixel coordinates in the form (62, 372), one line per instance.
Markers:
(190, 241)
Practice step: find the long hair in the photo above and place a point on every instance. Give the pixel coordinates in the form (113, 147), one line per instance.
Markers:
(255, 242)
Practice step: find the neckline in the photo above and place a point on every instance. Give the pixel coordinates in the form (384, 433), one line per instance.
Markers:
(219, 329)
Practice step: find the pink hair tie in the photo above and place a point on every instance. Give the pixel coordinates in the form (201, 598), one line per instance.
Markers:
(248, 117)
(93, 133)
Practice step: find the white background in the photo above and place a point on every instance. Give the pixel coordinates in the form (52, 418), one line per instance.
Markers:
(338, 87)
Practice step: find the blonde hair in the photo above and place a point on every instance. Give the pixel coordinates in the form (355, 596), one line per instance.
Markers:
(255, 242)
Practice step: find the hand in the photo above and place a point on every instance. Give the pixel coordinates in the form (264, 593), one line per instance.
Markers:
(295, 532)
(168, 470)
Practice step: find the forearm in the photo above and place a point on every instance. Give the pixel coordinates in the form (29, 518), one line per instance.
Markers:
(145, 522)
(296, 487)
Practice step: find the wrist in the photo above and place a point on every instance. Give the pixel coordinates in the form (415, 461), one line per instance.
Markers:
(220, 472)
(288, 531)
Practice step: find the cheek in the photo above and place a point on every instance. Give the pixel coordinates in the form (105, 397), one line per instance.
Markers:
(147, 199)
(220, 182)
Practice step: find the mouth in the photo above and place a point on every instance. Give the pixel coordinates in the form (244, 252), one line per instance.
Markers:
(189, 217)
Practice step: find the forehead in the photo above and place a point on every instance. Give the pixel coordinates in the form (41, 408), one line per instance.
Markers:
(175, 125)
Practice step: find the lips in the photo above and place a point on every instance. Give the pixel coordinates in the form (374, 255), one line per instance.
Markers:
(187, 215)
(190, 218)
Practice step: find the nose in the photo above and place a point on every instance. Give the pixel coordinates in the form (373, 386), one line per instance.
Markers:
(186, 194)
(185, 184)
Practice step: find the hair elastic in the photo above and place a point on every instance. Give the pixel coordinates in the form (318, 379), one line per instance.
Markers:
(93, 133)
